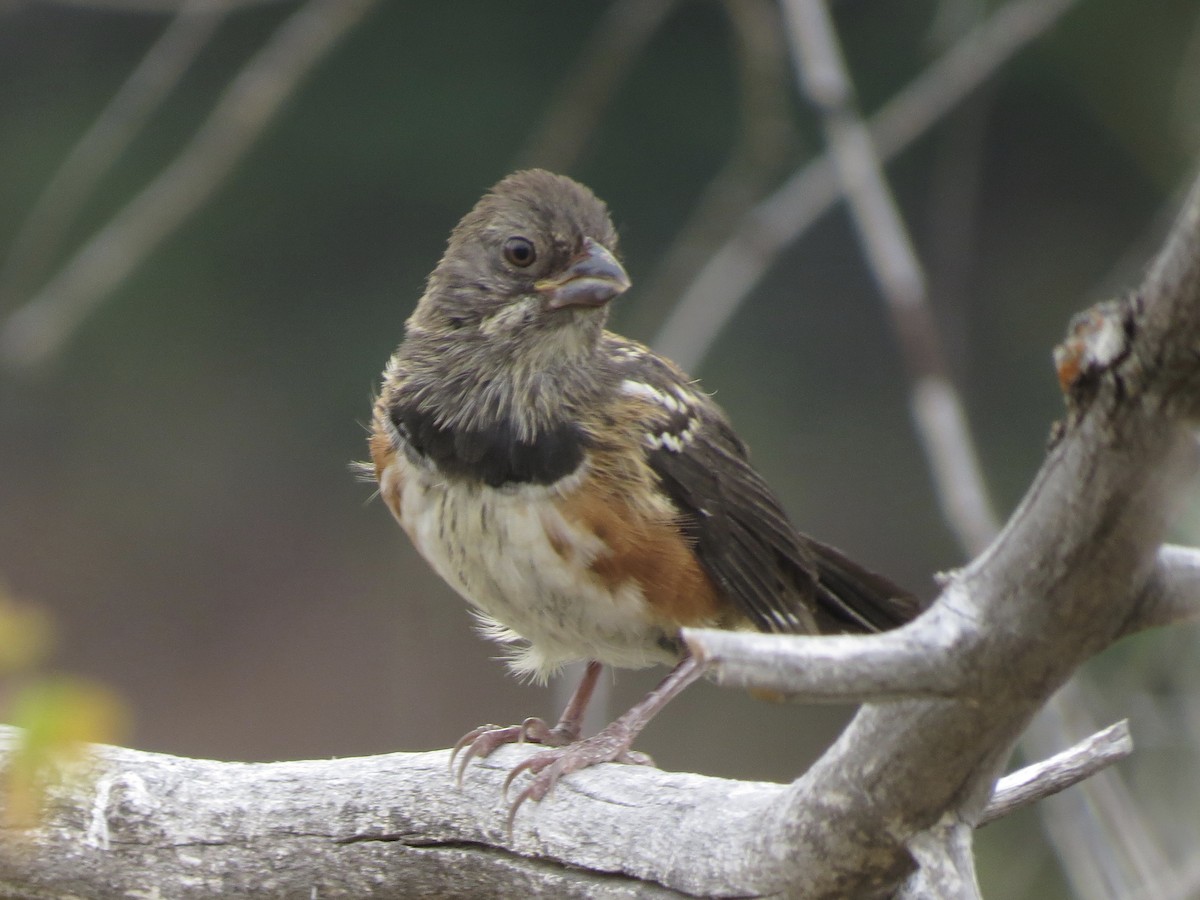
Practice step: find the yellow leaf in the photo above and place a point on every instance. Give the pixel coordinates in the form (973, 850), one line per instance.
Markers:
(59, 718)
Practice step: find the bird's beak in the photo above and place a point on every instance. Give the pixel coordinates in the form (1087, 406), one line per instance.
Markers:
(592, 279)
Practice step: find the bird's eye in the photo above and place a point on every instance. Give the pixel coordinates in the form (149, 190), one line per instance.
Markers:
(520, 251)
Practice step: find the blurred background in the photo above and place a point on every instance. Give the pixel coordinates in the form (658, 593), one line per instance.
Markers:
(215, 218)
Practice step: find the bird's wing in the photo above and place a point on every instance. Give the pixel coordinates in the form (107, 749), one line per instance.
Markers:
(782, 580)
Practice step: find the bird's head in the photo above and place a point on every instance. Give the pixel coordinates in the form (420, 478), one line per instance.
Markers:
(533, 264)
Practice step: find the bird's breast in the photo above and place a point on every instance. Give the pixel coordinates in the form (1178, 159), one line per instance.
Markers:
(537, 564)
(534, 574)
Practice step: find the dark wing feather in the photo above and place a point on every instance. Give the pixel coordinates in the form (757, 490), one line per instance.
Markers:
(780, 579)
(771, 584)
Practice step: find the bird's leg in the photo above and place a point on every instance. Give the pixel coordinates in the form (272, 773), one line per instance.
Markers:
(483, 740)
(571, 720)
(608, 745)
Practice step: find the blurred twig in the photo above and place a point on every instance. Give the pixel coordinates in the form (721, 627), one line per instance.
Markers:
(765, 135)
(38, 330)
(117, 125)
(1131, 261)
(616, 43)
(734, 270)
(941, 422)
(952, 218)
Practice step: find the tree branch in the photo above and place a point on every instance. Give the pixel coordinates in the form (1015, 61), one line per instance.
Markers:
(392, 825)
(915, 661)
(892, 259)
(1059, 772)
(1172, 595)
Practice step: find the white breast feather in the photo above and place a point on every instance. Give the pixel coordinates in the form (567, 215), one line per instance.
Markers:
(491, 545)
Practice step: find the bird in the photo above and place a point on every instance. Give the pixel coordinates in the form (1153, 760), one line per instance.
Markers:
(583, 494)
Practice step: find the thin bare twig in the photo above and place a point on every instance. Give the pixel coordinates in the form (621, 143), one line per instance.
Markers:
(117, 125)
(765, 136)
(37, 330)
(735, 268)
(614, 45)
(1073, 765)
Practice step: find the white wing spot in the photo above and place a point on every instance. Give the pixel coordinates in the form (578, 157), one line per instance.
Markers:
(686, 397)
(673, 441)
(648, 392)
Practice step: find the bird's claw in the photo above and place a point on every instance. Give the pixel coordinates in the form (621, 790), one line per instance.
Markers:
(548, 766)
(480, 742)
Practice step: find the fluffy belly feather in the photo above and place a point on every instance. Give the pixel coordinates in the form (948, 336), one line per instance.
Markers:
(525, 568)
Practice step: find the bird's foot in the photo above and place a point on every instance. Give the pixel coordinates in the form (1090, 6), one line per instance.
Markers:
(481, 741)
(547, 767)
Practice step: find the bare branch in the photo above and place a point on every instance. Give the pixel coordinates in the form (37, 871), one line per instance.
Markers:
(1119, 847)
(397, 825)
(1173, 594)
(945, 864)
(1059, 772)
(147, 824)
(890, 252)
(915, 661)
(38, 329)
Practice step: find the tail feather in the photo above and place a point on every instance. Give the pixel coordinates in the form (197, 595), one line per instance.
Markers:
(852, 598)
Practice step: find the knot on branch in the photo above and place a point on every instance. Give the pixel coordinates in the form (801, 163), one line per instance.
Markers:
(1098, 340)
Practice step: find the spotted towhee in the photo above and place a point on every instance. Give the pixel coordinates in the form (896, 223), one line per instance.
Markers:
(579, 491)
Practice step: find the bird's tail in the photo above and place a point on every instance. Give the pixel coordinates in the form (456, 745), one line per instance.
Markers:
(851, 598)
